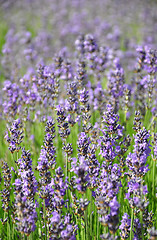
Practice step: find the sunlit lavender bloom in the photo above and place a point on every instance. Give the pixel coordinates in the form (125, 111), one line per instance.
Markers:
(48, 143)
(99, 98)
(147, 220)
(94, 167)
(25, 189)
(136, 194)
(109, 181)
(81, 75)
(47, 159)
(32, 95)
(64, 129)
(83, 144)
(5, 193)
(125, 226)
(137, 121)
(82, 175)
(15, 136)
(138, 230)
(107, 150)
(79, 44)
(43, 168)
(150, 61)
(111, 122)
(61, 114)
(90, 45)
(109, 214)
(61, 227)
(85, 108)
(47, 87)
(68, 149)
(25, 212)
(83, 98)
(10, 104)
(58, 65)
(29, 183)
(116, 86)
(140, 59)
(136, 161)
(72, 93)
(72, 102)
(67, 73)
(53, 193)
(59, 184)
(94, 135)
(105, 194)
(100, 62)
(109, 146)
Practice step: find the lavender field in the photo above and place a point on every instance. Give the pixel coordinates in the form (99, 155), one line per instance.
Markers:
(78, 119)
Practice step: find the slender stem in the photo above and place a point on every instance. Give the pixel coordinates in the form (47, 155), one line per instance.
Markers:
(82, 230)
(97, 226)
(153, 119)
(66, 165)
(132, 216)
(153, 187)
(141, 219)
(67, 195)
(86, 224)
(8, 227)
(44, 211)
(91, 214)
(13, 232)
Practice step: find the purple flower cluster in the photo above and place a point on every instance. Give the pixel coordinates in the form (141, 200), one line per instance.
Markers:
(25, 190)
(136, 161)
(109, 147)
(5, 193)
(125, 226)
(64, 129)
(79, 79)
(137, 191)
(47, 159)
(116, 85)
(11, 102)
(82, 176)
(15, 136)
(106, 196)
(61, 227)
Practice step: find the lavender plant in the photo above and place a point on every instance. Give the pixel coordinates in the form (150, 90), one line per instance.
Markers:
(91, 67)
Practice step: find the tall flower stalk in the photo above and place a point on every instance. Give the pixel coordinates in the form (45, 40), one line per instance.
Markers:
(137, 190)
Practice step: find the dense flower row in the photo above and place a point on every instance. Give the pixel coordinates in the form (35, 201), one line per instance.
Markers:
(97, 169)
(92, 174)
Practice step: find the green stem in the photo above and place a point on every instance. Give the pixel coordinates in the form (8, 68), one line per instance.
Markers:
(153, 119)
(86, 225)
(67, 195)
(8, 227)
(153, 187)
(44, 211)
(141, 219)
(82, 230)
(98, 227)
(132, 217)
(91, 215)
(66, 165)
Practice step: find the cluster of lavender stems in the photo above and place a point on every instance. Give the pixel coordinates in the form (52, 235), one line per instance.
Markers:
(92, 173)
(98, 170)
